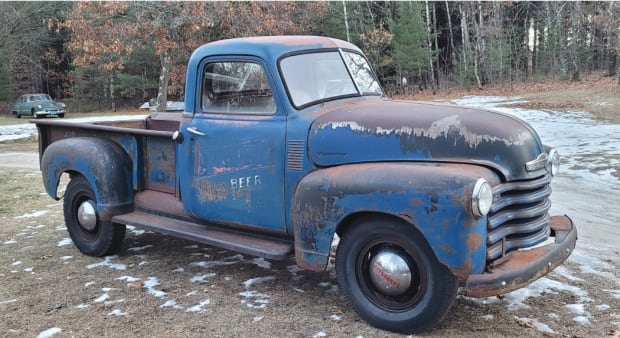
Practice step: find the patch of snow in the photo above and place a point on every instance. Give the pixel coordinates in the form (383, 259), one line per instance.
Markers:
(578, 309)
(488, 317)
(226, 261)
(16, 263)
(541, 327)
(28, 270)
(171, 303)
(135, 231)
(320, 334)
(614, 293)
(516, 299)
(553, 315)
(179, 269)
(87, 284)
(581, 320)
(9, 242)
(299, 290)
(335, 318)
(199, 307)
(49, 332)
(564, 272)
(150, 285)
(261, 263)
(105, 296)
(259, 280)
(254, 299)
(33, 214)
(82, 306)
(602, 307)
(66, 258)
(128, 279)
(200, 278)
(65, 241)
(593, 265)
(191, 293)
(8, 301)
(117, 312)
(140, 248)
(107, 263)
(257, 318)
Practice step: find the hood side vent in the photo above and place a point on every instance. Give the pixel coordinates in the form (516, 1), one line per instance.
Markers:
(295, 155)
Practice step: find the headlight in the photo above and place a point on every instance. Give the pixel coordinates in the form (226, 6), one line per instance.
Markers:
(482, 198)
(40, 107)
(554, 161)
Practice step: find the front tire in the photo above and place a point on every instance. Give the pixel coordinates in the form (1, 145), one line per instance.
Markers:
(391, 277)
(89, 233)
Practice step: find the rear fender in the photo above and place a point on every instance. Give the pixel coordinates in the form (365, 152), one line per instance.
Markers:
(434, 198)
(103, 163)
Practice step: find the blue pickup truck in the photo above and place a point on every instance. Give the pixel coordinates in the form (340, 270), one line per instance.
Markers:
(288, 145)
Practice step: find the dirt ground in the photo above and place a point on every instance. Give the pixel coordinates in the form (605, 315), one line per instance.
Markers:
(160, 286)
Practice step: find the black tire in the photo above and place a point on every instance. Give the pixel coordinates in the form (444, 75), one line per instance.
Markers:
(18, 115)
(104, 238)
(422, 303)
(34, 115)
(61, 115)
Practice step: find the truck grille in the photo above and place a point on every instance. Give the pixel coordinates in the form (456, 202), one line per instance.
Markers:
(519, 217)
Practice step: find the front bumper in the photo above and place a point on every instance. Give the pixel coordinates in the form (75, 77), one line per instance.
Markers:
(520, 268)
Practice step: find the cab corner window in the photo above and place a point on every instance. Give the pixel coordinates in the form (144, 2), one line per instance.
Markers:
(236, 88)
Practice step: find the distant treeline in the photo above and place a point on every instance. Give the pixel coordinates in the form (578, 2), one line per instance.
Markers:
(110, 54)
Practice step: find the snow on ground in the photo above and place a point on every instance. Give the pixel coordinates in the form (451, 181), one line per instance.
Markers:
(27, 130)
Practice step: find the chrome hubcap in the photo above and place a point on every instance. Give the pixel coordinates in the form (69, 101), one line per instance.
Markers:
(390, 273)
(87, 215)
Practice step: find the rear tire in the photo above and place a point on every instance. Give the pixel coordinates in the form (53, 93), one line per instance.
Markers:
(34, 115)
(61, 115)
(89, 233)
(408, 292)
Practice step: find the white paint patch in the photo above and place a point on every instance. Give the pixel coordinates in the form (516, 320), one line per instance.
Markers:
(33, 214)
(49, 332)
(107, 263)
(199, 307)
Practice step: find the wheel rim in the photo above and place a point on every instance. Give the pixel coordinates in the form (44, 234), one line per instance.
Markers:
(390, 276)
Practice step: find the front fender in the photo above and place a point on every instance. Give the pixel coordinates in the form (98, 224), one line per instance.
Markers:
(103, 163)
(434, 198)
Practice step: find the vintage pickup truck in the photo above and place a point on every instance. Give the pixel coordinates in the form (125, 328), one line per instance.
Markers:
(288, 141)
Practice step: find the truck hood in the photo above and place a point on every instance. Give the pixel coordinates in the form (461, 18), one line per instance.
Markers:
(384, 130)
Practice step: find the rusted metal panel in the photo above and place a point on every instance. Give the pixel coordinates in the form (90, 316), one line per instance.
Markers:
(433, 198)
(386, 130)
(519, 268)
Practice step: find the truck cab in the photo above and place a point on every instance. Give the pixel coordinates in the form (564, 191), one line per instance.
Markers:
(289, 142)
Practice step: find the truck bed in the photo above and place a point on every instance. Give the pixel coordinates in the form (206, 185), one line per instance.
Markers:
(147, 141)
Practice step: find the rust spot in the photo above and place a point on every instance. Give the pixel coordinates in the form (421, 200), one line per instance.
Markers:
(210, 192)
(473, 242)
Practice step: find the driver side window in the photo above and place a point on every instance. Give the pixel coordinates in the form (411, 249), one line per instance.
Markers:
(236, 87)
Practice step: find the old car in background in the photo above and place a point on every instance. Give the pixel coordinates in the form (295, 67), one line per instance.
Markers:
(38, 105)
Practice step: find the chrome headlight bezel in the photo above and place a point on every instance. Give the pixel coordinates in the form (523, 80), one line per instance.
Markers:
(482, 198)
(554, 161)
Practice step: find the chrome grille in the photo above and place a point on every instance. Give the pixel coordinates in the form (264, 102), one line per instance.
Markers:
(519, 216)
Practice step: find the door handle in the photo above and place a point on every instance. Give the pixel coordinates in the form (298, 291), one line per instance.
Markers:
(195, 131)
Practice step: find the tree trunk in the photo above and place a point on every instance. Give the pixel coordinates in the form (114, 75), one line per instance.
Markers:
(162, 93)
(112, 96)
(576, 30)
(464, 36)
(430, 48)
(346, 20)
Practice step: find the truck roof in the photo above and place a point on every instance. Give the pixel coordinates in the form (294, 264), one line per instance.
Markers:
(269, 48)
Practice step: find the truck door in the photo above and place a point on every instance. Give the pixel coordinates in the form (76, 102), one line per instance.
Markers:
(233, 170)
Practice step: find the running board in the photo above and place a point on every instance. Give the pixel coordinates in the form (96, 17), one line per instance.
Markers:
(230, 240)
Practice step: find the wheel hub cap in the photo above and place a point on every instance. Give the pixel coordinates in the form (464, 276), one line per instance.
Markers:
(87, 215)
(390, 273)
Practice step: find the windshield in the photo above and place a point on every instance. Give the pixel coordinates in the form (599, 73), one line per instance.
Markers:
(323, 76)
